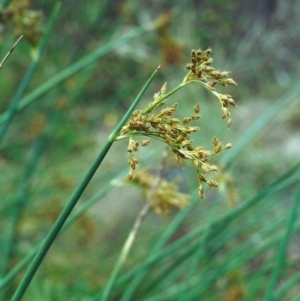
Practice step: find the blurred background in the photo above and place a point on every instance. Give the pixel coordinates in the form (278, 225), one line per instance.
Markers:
(67, 110)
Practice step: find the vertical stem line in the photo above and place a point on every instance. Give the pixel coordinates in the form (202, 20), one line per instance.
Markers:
(29, 74)
(282, 251)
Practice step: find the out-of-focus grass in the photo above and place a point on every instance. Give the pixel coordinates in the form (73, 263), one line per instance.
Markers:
(209, 251)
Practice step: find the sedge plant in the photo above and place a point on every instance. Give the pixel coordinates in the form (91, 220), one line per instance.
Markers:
(156, 121)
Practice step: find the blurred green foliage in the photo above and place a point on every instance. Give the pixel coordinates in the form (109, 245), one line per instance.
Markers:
(224, 248)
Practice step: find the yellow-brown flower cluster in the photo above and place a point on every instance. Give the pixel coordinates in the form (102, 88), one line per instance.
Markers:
(166, 196)
(201, 70)
(158, 122)
(23, 20)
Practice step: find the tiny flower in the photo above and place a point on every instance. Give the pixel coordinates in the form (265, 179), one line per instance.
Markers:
(230, 81)
(145, 142)
(163, 88)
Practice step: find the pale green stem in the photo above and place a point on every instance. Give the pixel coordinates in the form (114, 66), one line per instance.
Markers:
(132, 235)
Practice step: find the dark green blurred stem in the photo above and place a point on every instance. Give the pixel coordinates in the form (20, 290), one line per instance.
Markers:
(37, 260)
(13, 108)
(4, 4)
(16, 269)
(17, 207)
(282, 251)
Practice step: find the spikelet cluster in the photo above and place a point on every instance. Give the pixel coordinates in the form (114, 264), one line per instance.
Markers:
(166, 196)
(24, 20)
(158, 121)
(201, 70)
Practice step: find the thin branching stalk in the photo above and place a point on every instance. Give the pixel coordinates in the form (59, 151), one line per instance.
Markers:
(51, 236)
(133, 233)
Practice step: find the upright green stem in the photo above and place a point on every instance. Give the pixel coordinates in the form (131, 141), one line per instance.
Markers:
(282, 251)
(17, 207)
(29, 74)
(37, 260)
(124, 252)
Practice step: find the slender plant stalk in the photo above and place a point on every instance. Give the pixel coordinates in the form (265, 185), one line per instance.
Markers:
(132, 235)
(124, 252)
(282, 251)
(74, 199)
(17, 207)
(10, 51)
(287, 286)
(177, 221)
(13, 108)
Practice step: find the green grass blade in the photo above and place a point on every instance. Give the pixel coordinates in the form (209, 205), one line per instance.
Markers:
(282, 251)
(287, 286)
(18, 206)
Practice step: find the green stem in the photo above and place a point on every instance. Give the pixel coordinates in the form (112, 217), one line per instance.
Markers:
(46, 244)
(10, 51)
(124, 252)
(4, 4)
(13, 108)
(161, 98)
(282, 251)
(17, 207)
